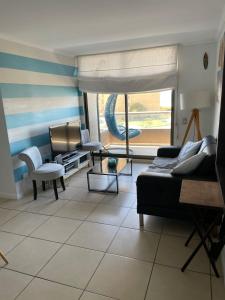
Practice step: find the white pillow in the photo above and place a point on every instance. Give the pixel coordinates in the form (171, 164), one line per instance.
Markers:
(189, 165)
(188, 150)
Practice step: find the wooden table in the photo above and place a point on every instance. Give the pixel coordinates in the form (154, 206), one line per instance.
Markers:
(201, 197)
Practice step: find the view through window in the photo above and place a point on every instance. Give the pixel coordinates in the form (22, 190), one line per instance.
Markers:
(149, 121)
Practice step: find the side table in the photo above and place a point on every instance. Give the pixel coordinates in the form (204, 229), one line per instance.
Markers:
(202, 198)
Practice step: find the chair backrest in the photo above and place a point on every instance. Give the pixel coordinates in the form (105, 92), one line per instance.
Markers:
(110, 117)
(32, 157)
(85, 136)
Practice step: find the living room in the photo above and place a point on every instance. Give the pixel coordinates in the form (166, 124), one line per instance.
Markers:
(97, 155)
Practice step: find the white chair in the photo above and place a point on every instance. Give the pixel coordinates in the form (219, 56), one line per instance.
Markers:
(89, 145)
(39, 171)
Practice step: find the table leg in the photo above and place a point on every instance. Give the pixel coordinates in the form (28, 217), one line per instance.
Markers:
(203, 238)
(202, 242)
(190, 237)
(3, 257)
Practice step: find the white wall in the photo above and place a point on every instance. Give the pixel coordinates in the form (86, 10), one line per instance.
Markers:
(93, 116)
(38, 89)
(7, 185)
(193, 77)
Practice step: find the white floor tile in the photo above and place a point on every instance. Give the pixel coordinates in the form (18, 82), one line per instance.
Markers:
(31, 255)
(171, 284)
(172, 252)
(72, 266)
(56, 229)
(135, 244)
(8, 241)
(107, 214)
(24, 223)
(177, 228)
(218, 288)
(16, 204)
(12, 283)
(121, 278)
(76, 210)
(127, 187)
(82, 195)
(71, 193)
(7, 214)
(122, 199)
(78, 181)
(91, 296)
(40, 289)
(151, 223)
(93, 236)
(46, 206)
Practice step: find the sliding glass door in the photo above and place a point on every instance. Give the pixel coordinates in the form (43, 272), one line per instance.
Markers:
(137, 123)
(152, 114)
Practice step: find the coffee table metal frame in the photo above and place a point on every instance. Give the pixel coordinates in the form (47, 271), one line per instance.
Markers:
(115, 174)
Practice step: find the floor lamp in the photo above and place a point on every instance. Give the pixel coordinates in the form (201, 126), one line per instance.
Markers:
(195, 102)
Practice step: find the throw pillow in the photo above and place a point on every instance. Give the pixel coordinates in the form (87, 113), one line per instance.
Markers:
(188, 150)
(189, 165)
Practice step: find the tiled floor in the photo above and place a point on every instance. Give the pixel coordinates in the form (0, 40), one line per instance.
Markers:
(88, 246)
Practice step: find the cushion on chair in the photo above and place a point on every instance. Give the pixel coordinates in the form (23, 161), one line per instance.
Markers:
(49, 171)
(32, 157)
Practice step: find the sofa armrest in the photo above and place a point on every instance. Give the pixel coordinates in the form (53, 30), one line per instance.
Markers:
(158, 189)
(170, 152)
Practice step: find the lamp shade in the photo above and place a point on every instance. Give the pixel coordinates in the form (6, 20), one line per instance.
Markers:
(197, 99)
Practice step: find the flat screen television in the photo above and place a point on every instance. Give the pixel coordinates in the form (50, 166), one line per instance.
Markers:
(65, 137)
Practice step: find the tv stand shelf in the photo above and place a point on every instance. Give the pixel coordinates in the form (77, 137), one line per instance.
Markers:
(75, 161)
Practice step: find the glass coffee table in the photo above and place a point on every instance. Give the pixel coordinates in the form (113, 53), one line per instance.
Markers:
(102, 169)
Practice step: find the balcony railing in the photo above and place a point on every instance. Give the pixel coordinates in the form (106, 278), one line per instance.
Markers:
(155, 128)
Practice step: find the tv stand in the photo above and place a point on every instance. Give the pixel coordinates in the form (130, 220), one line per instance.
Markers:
(73, 161)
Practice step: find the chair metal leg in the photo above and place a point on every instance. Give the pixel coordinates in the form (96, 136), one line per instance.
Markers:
(3, 257)
(141, 220)
(43, 185)
(34, 189)
(62, 183)
(55, 189)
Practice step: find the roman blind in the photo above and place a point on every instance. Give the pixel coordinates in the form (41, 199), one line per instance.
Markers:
(128, 71)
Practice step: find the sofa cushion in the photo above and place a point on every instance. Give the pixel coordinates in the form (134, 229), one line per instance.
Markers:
(188, 150)
(164, 162)
(189, 165)
(208, 145)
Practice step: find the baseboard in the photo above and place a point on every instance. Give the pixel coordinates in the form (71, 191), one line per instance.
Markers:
(8, 196)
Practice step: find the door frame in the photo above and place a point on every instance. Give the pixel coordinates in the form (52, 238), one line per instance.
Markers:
(128, 155)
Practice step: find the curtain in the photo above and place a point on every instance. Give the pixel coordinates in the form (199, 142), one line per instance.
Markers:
(128, 71)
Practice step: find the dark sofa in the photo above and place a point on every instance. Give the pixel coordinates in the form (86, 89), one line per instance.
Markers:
(158, 191)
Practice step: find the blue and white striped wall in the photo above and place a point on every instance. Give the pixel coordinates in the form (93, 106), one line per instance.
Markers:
(38, 89)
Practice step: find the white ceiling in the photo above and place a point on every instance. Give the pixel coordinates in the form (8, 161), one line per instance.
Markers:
(85, 26)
